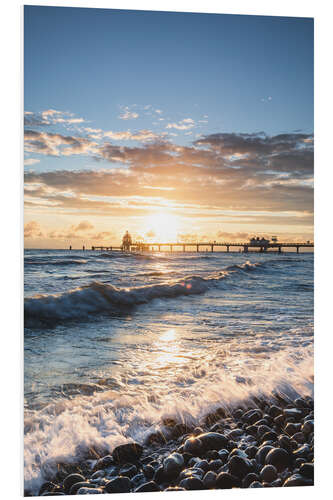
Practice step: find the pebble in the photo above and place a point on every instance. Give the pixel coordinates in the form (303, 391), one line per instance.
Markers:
(298, 480)
(278, 457)
(146, 487)
(268, 473)
(119, 485)
(307, 470)
(128, 470)
(256, 484)
(260, 456)
(77, 486)
(192, 483)
(209, 480)
(239, 466)
(72, 479)
(252, 416)
(226, 481)
(173, 464)
(249, 478)
(104, 462)
(129, 452)
(89, 491)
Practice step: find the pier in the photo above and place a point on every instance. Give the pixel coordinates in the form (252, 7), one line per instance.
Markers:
(209, 246)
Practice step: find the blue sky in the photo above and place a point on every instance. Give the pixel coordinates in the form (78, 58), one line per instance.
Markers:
(161, 77)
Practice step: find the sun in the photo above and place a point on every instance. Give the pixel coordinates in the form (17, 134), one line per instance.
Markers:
(161, 227)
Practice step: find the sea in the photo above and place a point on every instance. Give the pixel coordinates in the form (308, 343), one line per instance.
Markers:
(115, 343)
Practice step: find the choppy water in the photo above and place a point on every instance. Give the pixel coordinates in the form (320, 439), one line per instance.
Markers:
(115, 342)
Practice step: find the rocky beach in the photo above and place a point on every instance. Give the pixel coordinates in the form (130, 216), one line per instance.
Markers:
(258, 444)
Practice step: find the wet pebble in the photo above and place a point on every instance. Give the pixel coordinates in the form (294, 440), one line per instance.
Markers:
(209, 480)
(226, 481)
(268, 473)
(72, 479)
(146, 487)
(119, 485)
(278, 457)
(192, 483)
(129, 452)
(249, 478)
(297, 480)
(89, 491)
(307, 470)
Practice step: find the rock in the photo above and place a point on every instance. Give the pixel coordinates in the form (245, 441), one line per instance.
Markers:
(235, 433)
(239, 466)
(192, 483)
(292, 428)
(278, 457)
(223, 455)
(205, 442)
(198, 430)
(256, 484)
(209, 480)
(298, 480)
(77, 486)
(279, 421)
(285, 442)
(225, 481)
(269, 436)
(119, 485)
(251, 451)
(148, 471)
(203, 465)
(274, 411)
(268, 473)
(299, 437)
(262, 429)
(292, 412)
(129, 470)
(98, 474)
(249, 478)
(260, 456)
(150, 486)
(307, 427)
(307, 470)
(72, 479)
(277, 483)
(138, 480)
(252, 416)
(302, 451)
(129, 452)
(46, 487)
(89, 491)
(173, 464)
(51, 494)
(103, 463)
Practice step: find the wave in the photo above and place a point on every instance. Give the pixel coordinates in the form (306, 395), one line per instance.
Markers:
(63, 262)
(100, 297)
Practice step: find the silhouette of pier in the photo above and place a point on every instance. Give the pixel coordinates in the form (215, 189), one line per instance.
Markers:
(208, 246)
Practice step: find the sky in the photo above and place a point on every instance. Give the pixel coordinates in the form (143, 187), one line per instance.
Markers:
(195, 127)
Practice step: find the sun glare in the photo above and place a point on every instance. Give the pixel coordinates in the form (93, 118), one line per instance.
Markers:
(162, 227)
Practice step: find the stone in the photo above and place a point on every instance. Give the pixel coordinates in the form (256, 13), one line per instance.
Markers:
(251, 451)
(192, 483)
(138, 479)
(307, 427)
(274, 411)
(262, 452)
(278, 457)
(262, 429)
(173, 464)
(239, 466)
(249, 478)
(205, 442)
(148, 471)
(77, 486)
(297, 480)
(203, 465)
(307, 470)
(252, 416)
(89, 491)
(209, 480)
(269, 436)
(129, 470)
(72, 479)
(129, 452)
(256, 484)
(174, 488)
(292, 428)
(235, 433)
(302, 452)
(146, 487)
(103, 463)
(292, 412)
(268, 473)
(225, 481)
(119, 485)
(299, 437)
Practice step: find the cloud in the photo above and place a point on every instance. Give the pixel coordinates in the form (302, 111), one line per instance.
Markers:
(32, 230)
(141, 135)
(30, 161)
(127, 114)
(50, 117)
(185, 124)
(53, 144)
(83, 226)
(266, 99)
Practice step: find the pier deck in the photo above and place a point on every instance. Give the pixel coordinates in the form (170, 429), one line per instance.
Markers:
(202, 246)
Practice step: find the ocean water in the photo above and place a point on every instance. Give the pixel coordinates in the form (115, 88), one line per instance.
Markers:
(114, 343)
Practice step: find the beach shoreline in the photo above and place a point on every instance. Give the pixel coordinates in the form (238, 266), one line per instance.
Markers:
(263, 442)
